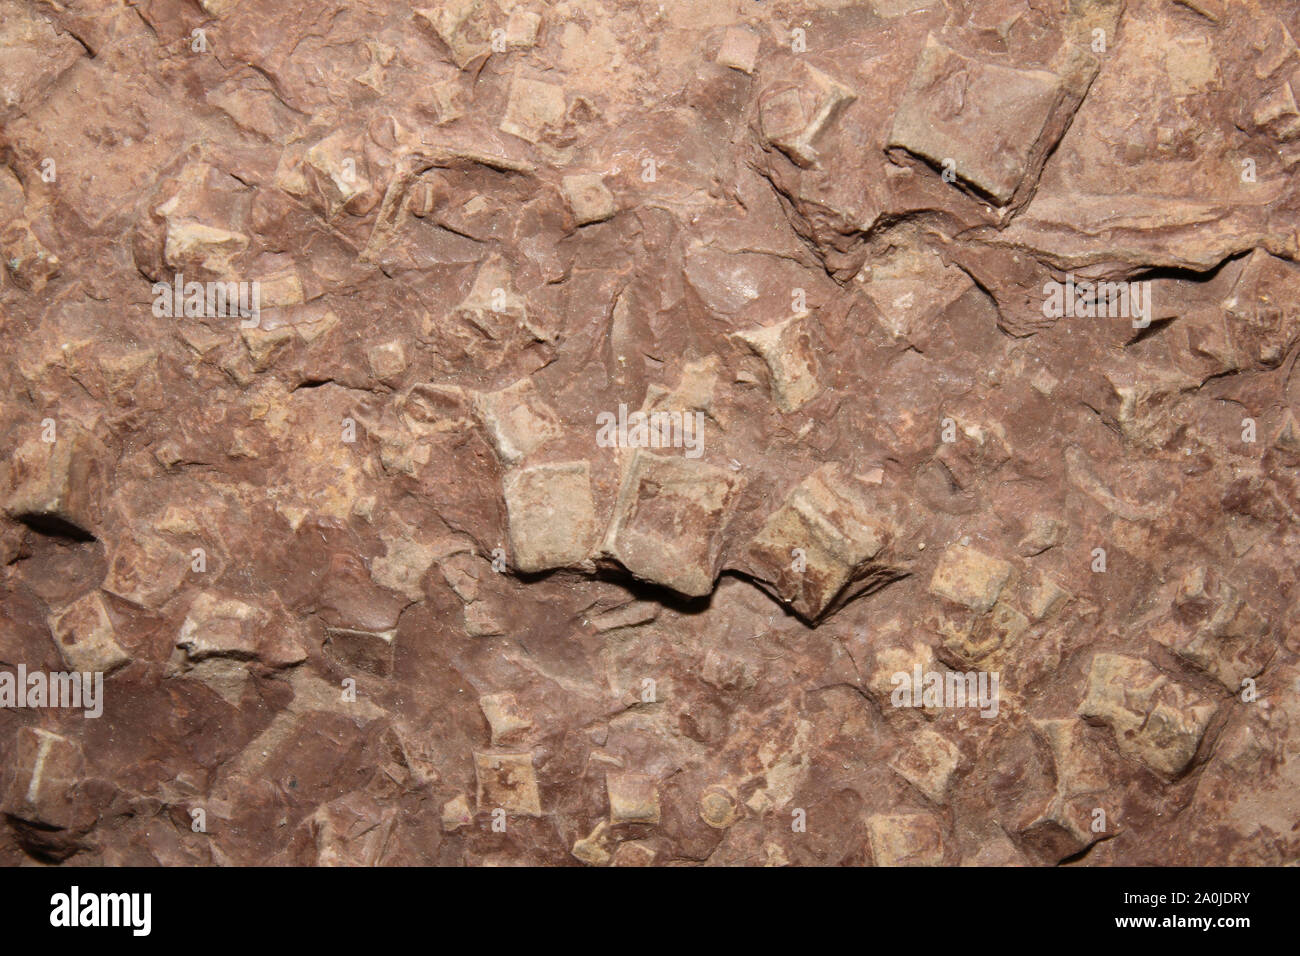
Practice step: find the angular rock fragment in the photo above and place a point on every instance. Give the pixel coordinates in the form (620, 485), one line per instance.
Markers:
(201, 248)
(1144, 403)
(1079, 768)
(970, 577)
(504, 717)
(1217, 630)
(982, 639)
(927, 762)
(33, 55)
(739, 49)
(351, 831)
(1043, 533)
(823, 537)
(496, 312)
(226, 627)
(588, 199)
(370, 651)
(911, 288)
(43, 799)
(387, 360)
(1153, 718)
(219, 626)
(634, 853)
(794, 114)
(985, 121)
(507, 781)
(27, 261)
(534, 110)
(145, 570)
(593, 849)
(56, 486)
(336, 167)
(633, 798)
(84, 634)
(890, 661)
(668, 521)
(629, 615)
(461, 25)
(786, 349)
(522, 28)
(905, 839)
(404, 566)
(517, 419)
(481, 620)
(1045, 598)
(1263, 319)
(456, 814)
(1064, 826)
(552, 516)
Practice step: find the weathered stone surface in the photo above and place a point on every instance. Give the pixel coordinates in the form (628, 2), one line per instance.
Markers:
(958, 527)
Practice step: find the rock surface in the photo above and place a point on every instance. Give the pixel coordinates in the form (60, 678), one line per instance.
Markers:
(806, 432)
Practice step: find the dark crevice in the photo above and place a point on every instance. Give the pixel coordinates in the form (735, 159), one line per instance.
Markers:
(90, 51)
(1180, 274)
(1148, 331)
(640, 590)
(1079, 857)
(55, 527)
(313, 383)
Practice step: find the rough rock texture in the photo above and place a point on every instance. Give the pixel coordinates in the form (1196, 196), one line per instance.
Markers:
(659, 433)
